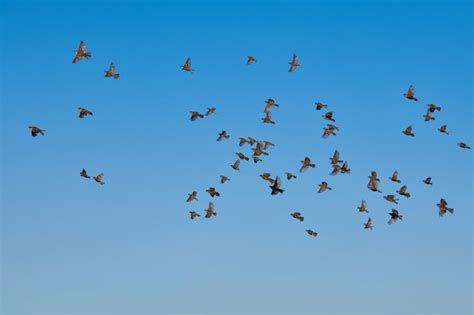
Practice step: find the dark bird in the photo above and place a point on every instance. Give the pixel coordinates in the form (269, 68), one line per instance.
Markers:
(194, 214)
(256, 159)
(443, 207)
(408, 131)
(81, 53)
(297, 216)
(394, 216)
(84, 112)
(363, 206)
(427, 181)
(320, 105)
(462, 145)
(290, 176)
(35, 131)
(242, 156)
(267, 177)
(213, 192)
(269, 104)
(335, 158)
(305, 164)
(294, 63)
(443, 129)
(328, 116)
(210, 111)
(394, 177)
(267, 144)
(110, 73)
(268, 118)
(98, 178)
(192, 196)
(432, 108)
(311, 233)
(323, 186)
(195, 115)
(391, 198)
(368, 224)
(251, 141)
(222, 135)
(345, 168)
(210, 210)
(428, 116)
(250, 60)
(242, 141)
(276, 186)
(329, 130)
(224, 179)
(187, 65)
(403, 191)
(336, 169)
(236, 165)
(84, 174)
(410, 94)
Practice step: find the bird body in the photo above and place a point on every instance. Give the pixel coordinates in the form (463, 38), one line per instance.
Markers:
(187, 65)
(35, 131)
(294, 63)
(81, 53)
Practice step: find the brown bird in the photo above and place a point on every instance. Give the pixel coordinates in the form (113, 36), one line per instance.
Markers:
(323, 186)
(222, 135)
(394, 216)
(368, 225)
(335, 169)
(363, 206)
(443, 129)
(267, 177)
(428, 116)
(242, 141)
(192, 196)
(345, 168)
(256, 159)
(251, 141)
(267, 144)
(311, 233)
(236, 165)
(194, 214)
(427, 181)
(373, 182)
(328, 116)
(84, 174)
(276, 187)
(408, 131)
(305, 164)
(213, 192)
(195, 115)
(98, 178)
(320, 105)
(35, 131)
(187, 65)
(391, 198)
(297, 216)
(242, 156)
(269, 104)
(443, 207)
(432, 108)
(410, 94)
(110, 73)
(403, 191)
(250, 60)
(394, 177)
(463, 145)
(81, 53)
(290, 176)
(210, 211)
(335, 158)
(329, 130)
(224, 179)
(84, 112)
(294, 63)
(258, 150)
(268, 118)
(210, 111)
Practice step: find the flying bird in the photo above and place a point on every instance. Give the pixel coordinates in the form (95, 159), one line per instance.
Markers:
(224, 179)
(258, 150)
(427, 181)
(195, 115)
(81, 53)
(373, 182)
(320, 105)
(242, 156)
(192, 196)
(408, 131)
(256, 159)
(394, 216)
(110, 73)
(294, 63)
(311, 233)
(251, 141)
(242, 141)
(268, 118)
(345, 168)
(269, 104)
(194, 214)
(443, 129)
(305, 164)
(428, 116)
(187, 65)
(363, 206)
(210, 211)
(84, 174)
(297, 216)
(323, 186)
(35, 131)
(394, 177)
(290, 176)
(267, 177)
(210, 111)
(222, 135)
(236, 165)
(432, 108)
(336, 169)
(391, 198)
(329, 130)
(462, 145)
(368, 225)
(213, 192)
(443, 207)
(250, 60)
(410, 94)
(335, 158)
(98, 178)
(267, 144)
(403, 191)
(276, 186)
(328, 116)
(84, 112)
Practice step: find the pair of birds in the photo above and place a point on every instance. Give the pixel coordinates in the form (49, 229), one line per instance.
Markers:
(209, 212)
(81, 53)
(35, 131)
(269, 104)
(343, 169)
(195, 115)
(297, 215)
(97, 178)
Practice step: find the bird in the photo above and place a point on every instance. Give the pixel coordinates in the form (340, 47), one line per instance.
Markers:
(269, 104)
(256, 159)
(222, 135)
(224, 179)
(83, 173)
(391, 198)
(242, 141)
(394, 177)
(305, 164)
(329, 130)
(267, 177)
(428, 116)
(194, 214)
(290, 176)
(213, 192)
(336, 169)
(267, 144)
(236, 165)
(363, 206)
(443, 207)
(328, 116)
(294, 63)
(311, 233)
(81, 53)
(192, 196)
(410, 94)
(268, 118)
(110, 73)
(335, 158)
(187, 65)
(84, 112)
(443, 129)
(98, 178)
(427, 181)
(368, 225)
(432, 108)
(345, 168)
(320, 105)
(210, 210)
(408, 131)
(195, 115)
(403, 191)
(323, 186)
(251, 141)
(35, 131)
(394, 216)
(276, 186)
(250, 60)
(462, 145)
(297, 216)
(210, 111)
(242, 156)
(373, 182)
(258, 150)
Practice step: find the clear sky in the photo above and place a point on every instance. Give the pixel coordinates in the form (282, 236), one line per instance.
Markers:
(70, 245)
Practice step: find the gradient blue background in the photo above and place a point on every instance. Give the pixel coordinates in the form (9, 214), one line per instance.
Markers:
(73, 246)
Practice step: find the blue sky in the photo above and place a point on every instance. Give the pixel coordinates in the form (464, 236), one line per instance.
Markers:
(72, 246)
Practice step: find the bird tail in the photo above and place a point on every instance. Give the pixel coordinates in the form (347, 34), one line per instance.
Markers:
(116, 75)
(415, 99)
(301, 219)
(87, 55)
(450, 210)
(312, 165)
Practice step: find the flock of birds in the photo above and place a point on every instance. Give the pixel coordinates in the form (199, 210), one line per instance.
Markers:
(259, 149)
